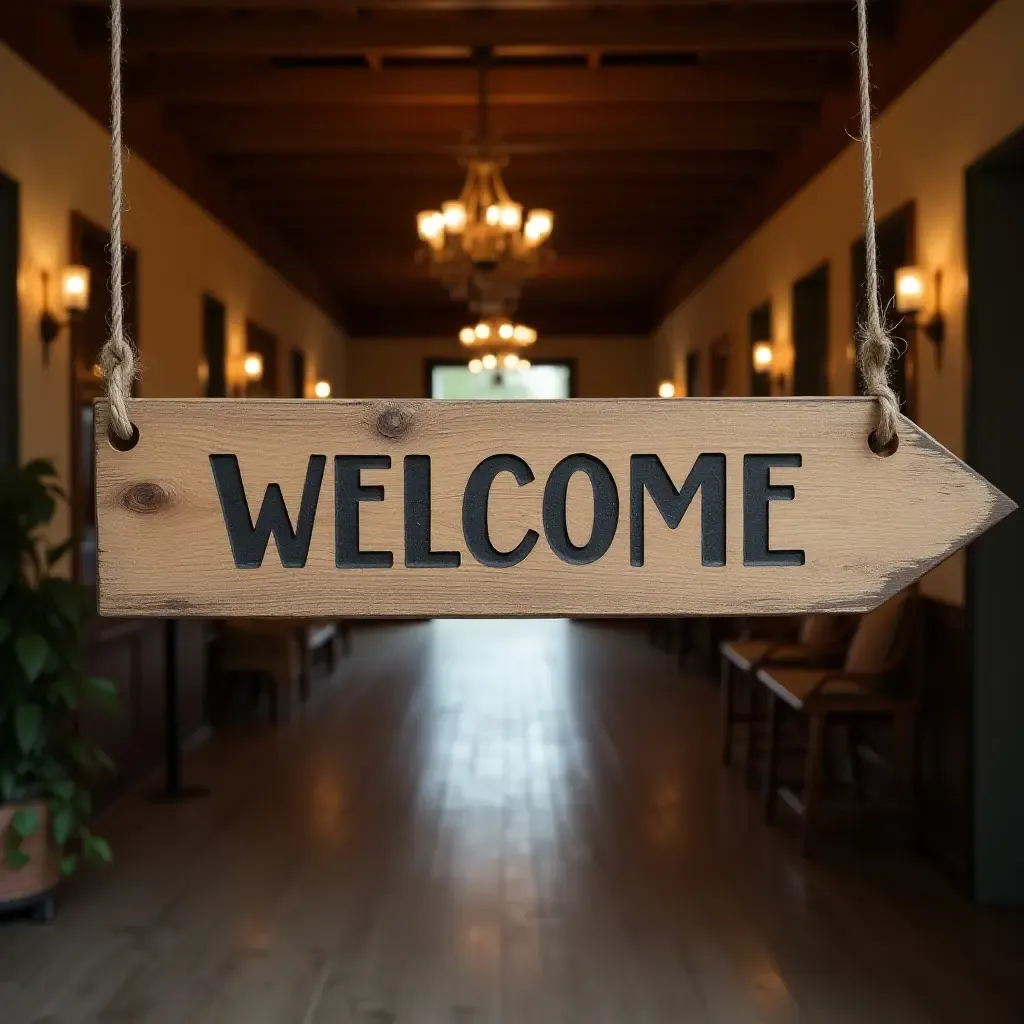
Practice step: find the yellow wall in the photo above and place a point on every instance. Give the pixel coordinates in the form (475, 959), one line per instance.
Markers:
(965, 104)
(60, 157)
(611, 367)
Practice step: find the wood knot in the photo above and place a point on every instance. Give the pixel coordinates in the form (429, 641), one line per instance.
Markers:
(145, 498)
(393, 421)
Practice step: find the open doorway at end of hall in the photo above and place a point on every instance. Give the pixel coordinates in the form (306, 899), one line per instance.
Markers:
(543, 380)
(995, 597)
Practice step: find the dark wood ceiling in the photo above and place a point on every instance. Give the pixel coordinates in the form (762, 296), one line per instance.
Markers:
(658, 132)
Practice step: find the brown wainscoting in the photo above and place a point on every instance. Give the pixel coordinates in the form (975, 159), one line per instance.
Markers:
(131, 652)
(945, 749)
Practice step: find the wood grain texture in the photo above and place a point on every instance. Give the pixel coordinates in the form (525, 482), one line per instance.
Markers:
(868, 525)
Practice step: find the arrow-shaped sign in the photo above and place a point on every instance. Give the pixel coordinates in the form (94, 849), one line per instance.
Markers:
(617, 507)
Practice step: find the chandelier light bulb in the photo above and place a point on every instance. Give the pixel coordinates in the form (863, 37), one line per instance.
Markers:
(524, 335)
(511, 216)
(493, 215)
(539, 225)
(475, 365)
(524, 365)
(489, 361)
(483, 330)
(666, 389)
(506, 331)
(322, 389)
(454, 214)
(467, 336)
(430, 225)
(511, 361)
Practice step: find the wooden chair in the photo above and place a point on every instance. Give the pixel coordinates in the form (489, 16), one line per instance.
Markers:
(877, 659)
(816, 640)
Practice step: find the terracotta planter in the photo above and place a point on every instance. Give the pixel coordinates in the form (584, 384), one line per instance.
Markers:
(35, 882)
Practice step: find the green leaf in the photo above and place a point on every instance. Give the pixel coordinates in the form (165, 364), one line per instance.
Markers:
(63, 822)
(97, 849)
(68, 864)
(66, 597)
(64, 789)
(39, 468)
(25, 821)
(67, 690)
(31, 650)
(8, 780)
(16, 858)
(28, 724)
(101, 691)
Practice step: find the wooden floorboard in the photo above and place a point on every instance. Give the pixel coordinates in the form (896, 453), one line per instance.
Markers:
(497, 822)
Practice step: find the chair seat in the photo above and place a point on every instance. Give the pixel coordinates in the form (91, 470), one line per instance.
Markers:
(796, 685)
(745, 654)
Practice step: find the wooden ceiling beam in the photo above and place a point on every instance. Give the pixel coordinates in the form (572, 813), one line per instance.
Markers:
(761, 81)
(619, 168)
(760, 27)
(926, 28)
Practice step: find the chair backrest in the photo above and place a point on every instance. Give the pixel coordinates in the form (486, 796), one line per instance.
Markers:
(876, 644)
(817, 630)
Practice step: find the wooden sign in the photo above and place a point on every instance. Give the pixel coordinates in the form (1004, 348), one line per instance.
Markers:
(618, 507)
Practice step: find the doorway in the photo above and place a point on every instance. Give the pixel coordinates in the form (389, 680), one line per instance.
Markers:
(9, 203)
(547, 380)
(896, 248)
(995, 440)
(810, 333)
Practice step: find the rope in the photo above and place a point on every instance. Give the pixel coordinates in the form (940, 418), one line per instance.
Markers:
(118, 355)
(876, 346)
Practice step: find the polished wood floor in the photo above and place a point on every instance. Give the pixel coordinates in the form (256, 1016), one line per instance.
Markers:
(484, 822)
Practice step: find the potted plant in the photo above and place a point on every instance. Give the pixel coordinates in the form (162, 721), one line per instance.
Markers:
(44, 766)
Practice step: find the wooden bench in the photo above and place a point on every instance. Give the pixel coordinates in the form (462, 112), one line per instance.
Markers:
(878, 658)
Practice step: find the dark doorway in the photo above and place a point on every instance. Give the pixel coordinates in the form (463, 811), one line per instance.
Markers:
(810, 333)
(9, 200)
(215, 347)
(760, 329)
(261, 342)
(719, 357)
(298, 368)
(90, 247)
(896, 248)
(995, 441)
(692, 374)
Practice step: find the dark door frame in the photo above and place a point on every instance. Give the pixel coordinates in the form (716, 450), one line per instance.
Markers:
(10, 232)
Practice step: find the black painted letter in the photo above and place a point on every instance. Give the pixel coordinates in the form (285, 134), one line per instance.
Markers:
(248, 542)
(417, 519)
(707, 475)
(349, 491)
(757, 493)
(606, 509)
(474, 511)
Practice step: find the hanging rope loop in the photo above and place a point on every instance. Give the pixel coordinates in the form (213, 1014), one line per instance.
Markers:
(117, 359)
(875, 345)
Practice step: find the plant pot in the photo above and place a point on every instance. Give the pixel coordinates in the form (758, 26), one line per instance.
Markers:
(39, 877)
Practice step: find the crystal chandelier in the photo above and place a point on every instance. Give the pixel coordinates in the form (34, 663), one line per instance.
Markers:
(478, 245)
(500, 343)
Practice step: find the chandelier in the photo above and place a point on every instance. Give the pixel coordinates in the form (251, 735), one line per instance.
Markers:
(479, 246)
(500, 343)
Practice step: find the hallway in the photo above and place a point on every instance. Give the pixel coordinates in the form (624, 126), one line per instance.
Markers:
(490, 821)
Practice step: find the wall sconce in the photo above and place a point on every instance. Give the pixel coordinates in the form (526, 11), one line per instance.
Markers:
(74, 295)
(666, 389)
(253, 366)
(912, 299)
(763, 355)
(322, 389)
